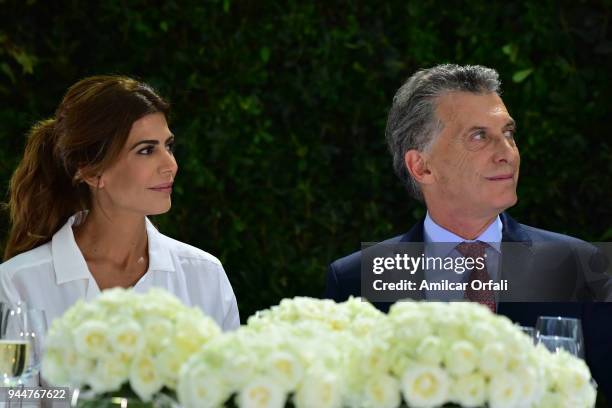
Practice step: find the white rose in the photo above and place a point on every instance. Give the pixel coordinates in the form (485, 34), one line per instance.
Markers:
(461, 358)
(382, 392)
(482, 333)
(575, 376)
(238, 370)
(411, 327)
(319, 390)
(448, 326)
(90, 338)
(126, 337)
(85, 311)
(551, 400)
(115, 298)
(365, 326)
(189, 336)
(425, 386)
(470, 390)
(493, 358)
(430, 350)
(85, 368)
(369, 356)
(54, 369)
(157, 332)
(532, 383)
(574, 385)
(262, 393)
(168, 365)
(144, 379)
(579, 401)
(504, 391)
(199, 388)
(285, 369)
(79, 367)
(109, 374)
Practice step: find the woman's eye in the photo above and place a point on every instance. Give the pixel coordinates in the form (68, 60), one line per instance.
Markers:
(171, 146)
(146, 151)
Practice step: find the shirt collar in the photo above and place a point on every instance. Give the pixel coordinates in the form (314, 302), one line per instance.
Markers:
(159, 254)
(435, 233)
(69, 263)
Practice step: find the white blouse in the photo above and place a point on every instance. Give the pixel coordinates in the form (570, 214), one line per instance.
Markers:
(53, 276)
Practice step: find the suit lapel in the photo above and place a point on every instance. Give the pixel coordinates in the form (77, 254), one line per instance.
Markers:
(516, 258)
(416, 236)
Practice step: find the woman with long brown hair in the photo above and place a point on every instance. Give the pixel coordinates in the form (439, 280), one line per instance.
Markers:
(79, 202)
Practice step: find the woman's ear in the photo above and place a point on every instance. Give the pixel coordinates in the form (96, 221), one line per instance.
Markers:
(94, 181)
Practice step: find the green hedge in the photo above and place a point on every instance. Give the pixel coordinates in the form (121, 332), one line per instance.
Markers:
(280, 108)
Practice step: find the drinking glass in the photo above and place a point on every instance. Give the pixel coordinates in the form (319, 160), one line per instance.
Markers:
(35, 325)
(14, 347)
(556, 343)
(529, 331)
(567, 327)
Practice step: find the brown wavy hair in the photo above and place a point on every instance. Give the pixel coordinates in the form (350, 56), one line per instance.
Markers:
(85, 137)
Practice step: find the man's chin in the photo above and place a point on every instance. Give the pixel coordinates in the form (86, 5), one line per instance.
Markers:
(503, 205)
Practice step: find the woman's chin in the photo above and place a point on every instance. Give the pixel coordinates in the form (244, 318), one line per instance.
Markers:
(160, 210)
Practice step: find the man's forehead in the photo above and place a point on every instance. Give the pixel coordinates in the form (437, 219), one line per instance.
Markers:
(464, 107)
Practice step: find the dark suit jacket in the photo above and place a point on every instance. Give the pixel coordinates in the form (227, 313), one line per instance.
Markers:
(344, 280)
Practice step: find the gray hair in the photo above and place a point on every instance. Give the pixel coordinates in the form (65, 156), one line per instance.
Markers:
(412, 122)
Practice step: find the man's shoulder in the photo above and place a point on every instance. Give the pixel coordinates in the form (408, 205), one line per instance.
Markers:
(351, 264)
(542, 235)
(517, 232)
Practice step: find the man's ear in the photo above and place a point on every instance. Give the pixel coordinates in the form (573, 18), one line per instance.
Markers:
(417, 165)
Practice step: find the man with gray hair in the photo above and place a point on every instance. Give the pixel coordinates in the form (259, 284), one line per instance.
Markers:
(453, 145)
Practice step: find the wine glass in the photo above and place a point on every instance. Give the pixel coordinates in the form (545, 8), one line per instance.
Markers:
(5, 309)
(556, 343)
(14, 347)
(566, 327)
(529, 331)
(35, 325)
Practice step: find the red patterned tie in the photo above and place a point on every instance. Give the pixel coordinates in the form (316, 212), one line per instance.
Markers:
(484, 296)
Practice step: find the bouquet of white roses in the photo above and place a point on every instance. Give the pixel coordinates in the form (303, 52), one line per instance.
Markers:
(123, 338)
(316, 353)
(462, 353)
(295, 352)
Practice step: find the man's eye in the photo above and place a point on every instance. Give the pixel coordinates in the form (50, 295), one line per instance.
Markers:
(146, 150)
(509, 134)
(479, 136)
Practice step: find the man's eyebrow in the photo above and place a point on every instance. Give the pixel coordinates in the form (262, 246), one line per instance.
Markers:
(510, 123)
(151, 141)
(476, 128)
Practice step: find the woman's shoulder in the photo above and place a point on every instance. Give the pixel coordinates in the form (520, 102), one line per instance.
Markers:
(34, 258)
(185, 251)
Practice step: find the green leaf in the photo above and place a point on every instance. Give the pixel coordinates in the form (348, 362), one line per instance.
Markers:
(26, 61)
(264, 54)
(511, 50)
(520, 76)
(8, 71)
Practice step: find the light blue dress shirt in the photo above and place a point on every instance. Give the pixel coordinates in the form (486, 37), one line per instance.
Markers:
(445, 246)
